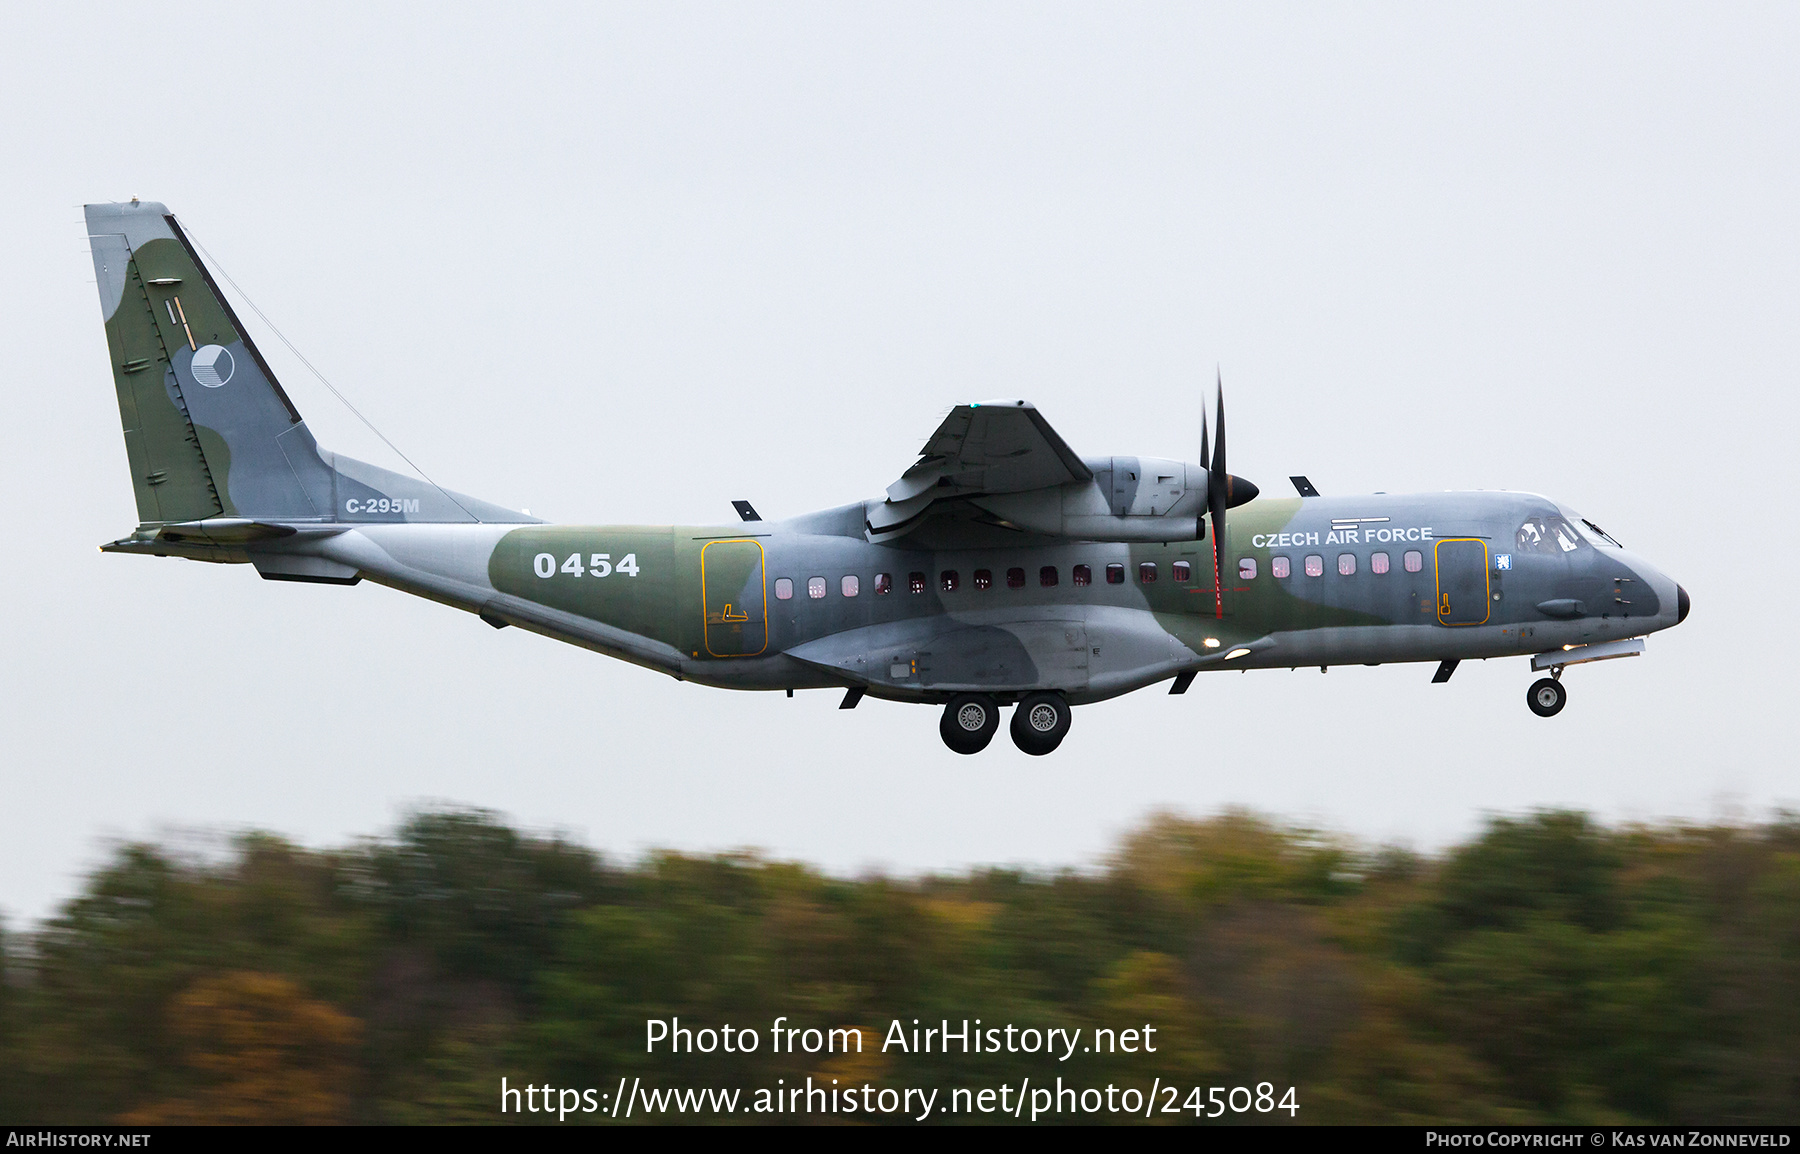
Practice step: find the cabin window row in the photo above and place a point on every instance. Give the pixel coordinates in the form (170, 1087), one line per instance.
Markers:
(950, 580)
(1049, 576)
(1412, 560)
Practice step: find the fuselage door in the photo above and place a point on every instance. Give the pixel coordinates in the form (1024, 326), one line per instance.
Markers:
(733, 598)
(1462, 581)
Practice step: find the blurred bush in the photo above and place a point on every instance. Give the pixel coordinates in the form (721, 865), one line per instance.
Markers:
(1551, 969)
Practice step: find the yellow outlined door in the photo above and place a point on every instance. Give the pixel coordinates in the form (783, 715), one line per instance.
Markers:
(1462, 581)
(733, 598)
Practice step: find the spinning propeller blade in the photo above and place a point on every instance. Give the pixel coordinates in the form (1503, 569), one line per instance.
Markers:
(1223, 491)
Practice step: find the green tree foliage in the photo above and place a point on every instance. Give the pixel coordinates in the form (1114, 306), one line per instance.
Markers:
(1549, 969)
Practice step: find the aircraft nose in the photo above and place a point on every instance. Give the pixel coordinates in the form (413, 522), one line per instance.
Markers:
(1681, 605)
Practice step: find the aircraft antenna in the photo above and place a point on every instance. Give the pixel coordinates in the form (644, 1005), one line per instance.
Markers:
(213, 261)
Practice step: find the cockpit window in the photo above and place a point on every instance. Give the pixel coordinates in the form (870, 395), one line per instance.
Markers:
(1552, 535)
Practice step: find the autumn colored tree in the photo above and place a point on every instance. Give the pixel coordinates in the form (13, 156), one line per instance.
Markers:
(258, 1052)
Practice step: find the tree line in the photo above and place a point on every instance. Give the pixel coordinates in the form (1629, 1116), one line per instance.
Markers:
(1549, 969)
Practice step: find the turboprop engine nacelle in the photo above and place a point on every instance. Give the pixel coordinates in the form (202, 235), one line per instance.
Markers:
(1129, 499)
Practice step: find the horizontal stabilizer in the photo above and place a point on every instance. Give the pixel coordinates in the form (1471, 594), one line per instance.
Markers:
(215, 532)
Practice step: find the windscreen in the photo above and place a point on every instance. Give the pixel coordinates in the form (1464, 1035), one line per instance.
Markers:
(1547, 533)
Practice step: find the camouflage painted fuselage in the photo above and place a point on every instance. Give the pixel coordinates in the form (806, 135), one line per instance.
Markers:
(926, 639)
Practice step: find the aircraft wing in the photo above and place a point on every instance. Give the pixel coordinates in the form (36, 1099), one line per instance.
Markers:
(981, 449)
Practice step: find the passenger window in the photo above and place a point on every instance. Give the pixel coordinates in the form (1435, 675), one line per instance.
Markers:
(1115, 574)
(815, 587)
(1081, 575)
(948, 580)
(1015, 578)
(1147, 572)
(984, 578)
(1184, 571)
(1415, 560)
(1378, 562)
(1315, 565)
(915, 582)
(1047, 576)
(784, 589)
(1346, 564)
(850, 585)
(884, 584)
(1246, 568)
(1280, 567)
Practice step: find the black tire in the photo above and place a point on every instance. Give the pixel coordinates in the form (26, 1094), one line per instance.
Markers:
(1546, 697)
(1039, 723)
(969, 722)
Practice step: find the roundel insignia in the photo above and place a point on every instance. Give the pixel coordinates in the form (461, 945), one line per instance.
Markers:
(213, 365)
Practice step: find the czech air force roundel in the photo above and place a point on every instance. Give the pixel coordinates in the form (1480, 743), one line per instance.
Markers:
(213, 365)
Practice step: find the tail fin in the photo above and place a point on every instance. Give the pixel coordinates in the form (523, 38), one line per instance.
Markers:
(209, 432)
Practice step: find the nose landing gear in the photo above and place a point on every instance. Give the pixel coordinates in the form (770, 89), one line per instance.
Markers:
(1546, 697)
(969, 723)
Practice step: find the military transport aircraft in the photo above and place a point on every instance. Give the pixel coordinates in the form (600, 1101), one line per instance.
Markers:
(1000, 569)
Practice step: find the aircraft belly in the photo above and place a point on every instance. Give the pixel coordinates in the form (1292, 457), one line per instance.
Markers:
(1129, 649)
(947, 654)
(1375, 644)
(1018, 655)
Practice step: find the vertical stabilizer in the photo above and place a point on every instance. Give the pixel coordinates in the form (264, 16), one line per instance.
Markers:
(209, 431)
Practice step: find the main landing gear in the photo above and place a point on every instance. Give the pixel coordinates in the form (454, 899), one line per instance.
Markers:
(1039, 723)
(970, 722)
(1547, 695)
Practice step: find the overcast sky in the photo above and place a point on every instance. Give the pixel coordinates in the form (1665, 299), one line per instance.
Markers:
(627, 263)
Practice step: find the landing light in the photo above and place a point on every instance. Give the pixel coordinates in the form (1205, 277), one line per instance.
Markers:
(1236, 653)
(1212, 642)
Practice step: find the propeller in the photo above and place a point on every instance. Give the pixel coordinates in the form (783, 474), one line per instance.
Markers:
(1223, 491)
(1205, 455)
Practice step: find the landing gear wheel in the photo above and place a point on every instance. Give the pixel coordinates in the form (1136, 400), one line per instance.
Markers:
(1039, 723)
(970, 722)
(1547, 697)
